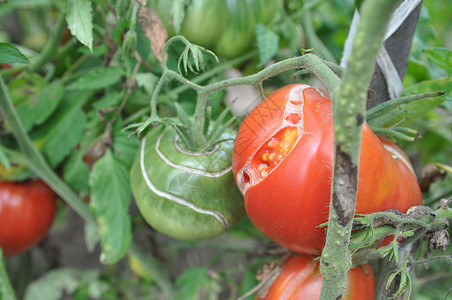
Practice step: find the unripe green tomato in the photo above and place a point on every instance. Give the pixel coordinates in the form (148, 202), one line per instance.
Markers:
(199, 16)
(225, 26)
(187, 196)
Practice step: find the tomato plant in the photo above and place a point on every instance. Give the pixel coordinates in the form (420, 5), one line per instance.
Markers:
(282, 164)
(231, 24)
(27, 210)
(184, 194)
(301, 279)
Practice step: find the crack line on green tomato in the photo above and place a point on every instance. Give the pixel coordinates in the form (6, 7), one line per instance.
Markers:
(186, 169)
(278, 146)
(217, 215)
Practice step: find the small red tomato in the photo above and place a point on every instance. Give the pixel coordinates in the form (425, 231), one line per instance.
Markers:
(301, 280)
(283, 161)
(26, 213)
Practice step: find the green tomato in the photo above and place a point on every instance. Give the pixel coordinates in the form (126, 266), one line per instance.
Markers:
(200, 27)
(187, 196)
(225, 26)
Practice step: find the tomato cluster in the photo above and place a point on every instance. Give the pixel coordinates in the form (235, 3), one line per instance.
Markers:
(225, 26)
(301, 279)
(27, 210)
(282, 163)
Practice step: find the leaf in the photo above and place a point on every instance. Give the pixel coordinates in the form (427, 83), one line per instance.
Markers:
(24, 95)
(400, 110)
(442, 57)
(267, 43)
(98, 79)
(4, 161)
(60, 283)
(110, 199)
(62, 131)
(53, 285)
(291, 32)
(80, 21)
(147, 81)
(91, 235)
(177, 14)
(10, 54)
(195, 283)
(76, 172)
(183, 116)
(124, 147)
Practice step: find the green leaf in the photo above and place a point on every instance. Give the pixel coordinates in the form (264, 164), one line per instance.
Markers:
(98, 79)
(177, 14)
(60, 283)
(196, 283)
(125, 147)
(91, 235)
(267, 43)
(53, 285)
(76, 172)
(10, 54)
(62, 131)
(400, 110)
(112, 99)
(80, 21)
(24, 95)
(183, 116)
(4, 160)
(291, 32)
(147, 81)
(442, 57)
(110, 199)
(35, 101)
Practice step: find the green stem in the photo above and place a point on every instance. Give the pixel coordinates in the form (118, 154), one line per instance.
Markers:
(349, 110)
(37, 163)
(308, 61)
(51, 47)
(312, 38)
(6, 290)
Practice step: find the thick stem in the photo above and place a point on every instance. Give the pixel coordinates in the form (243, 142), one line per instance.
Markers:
(6, 290)
(349, 108)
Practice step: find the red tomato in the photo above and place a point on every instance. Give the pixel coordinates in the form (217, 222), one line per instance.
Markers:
(301, 280)
(26, 214)
(283, 160)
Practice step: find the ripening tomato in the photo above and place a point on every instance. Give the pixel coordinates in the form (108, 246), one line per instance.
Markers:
(283, 160)
(301, 280)
(27, 210)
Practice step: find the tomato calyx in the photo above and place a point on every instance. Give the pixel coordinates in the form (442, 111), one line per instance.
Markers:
(277, 146)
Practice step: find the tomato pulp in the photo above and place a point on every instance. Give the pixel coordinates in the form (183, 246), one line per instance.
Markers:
(283, 161)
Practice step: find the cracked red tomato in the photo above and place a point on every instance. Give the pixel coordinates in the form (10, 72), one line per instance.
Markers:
(283, 160)
(27, 210)
(301, 279)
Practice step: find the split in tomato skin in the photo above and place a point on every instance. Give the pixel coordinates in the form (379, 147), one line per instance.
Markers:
(27, 210)
(185, 195)
(301, 279)
(292, 199)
